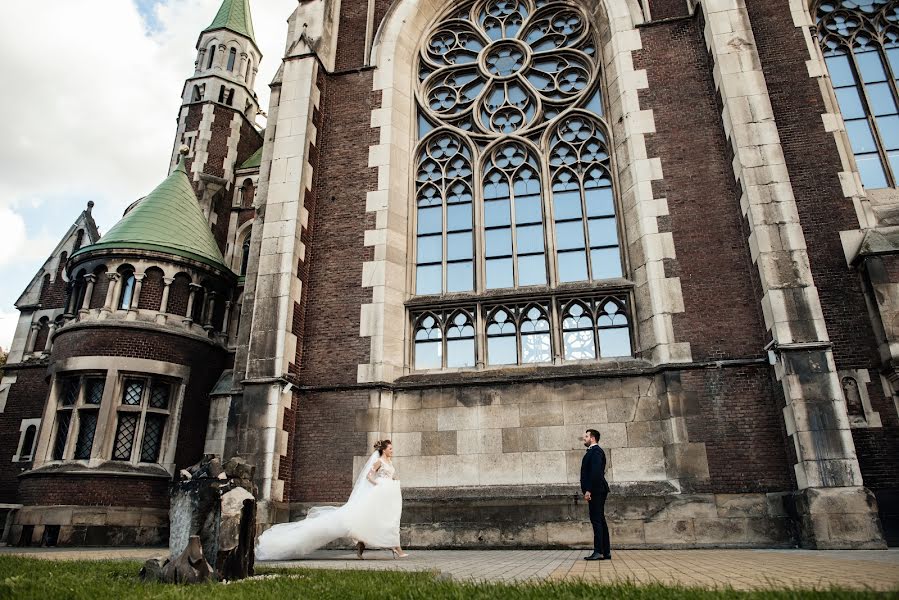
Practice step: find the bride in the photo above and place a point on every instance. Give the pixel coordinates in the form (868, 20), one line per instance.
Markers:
(371, 516)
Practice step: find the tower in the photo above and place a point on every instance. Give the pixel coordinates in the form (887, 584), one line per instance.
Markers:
(218, 110)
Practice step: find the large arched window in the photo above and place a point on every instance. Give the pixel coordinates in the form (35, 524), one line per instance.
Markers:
(860, 41)
(514, 189)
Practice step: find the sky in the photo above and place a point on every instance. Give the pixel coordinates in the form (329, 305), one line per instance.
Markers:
(91, 95)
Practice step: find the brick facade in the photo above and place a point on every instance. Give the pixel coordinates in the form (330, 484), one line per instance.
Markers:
(700, 432)
(25, 401)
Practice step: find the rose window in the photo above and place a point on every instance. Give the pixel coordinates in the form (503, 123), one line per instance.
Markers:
(513, 190)
(507, 66)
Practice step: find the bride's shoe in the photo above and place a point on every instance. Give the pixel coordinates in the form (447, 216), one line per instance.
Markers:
(398, 554)
(360, 548)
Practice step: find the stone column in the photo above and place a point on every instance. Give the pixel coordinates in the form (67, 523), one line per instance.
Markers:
(32, 338)
(135, 296)
(188, 318)
(49, 343)
(226, 318)
(208, 311)
(110, 293)
(88, 292)
(164, 304)
(833, 509)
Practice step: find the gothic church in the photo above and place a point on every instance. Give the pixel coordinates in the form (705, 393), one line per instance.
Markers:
(478, 228)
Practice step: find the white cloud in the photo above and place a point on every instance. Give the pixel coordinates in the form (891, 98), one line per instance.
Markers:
(89, 113)
(8, 321)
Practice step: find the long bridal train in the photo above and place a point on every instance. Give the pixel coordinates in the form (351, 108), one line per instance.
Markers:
(371, 515)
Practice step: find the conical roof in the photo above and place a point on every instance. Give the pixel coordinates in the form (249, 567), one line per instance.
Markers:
(234, 15)
(168, 220)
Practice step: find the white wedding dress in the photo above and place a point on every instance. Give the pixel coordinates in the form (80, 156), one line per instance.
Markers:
(371, 516)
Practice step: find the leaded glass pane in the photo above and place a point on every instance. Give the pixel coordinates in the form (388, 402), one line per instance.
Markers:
(159, 395)
(427, 280)
(532, 270)
(572, 266)
(536, 346)
(94, 392)
(87, 427)
(502, 344)
(428, 343)
(63, 419)
(499, 273)
(70, 388)
(460, 341)
(124, 437)
(131, 394)
(459, 277)
(151, 443)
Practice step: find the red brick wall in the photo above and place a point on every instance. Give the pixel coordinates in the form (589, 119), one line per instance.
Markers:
(53, 295)
(666, 9)
(723, 314)
(151, 290)
(26, 400)
(325, 443)
(334, 292)
(81, 490)
(741, 424)
(351, 42)
(101, 287)
(179, 292)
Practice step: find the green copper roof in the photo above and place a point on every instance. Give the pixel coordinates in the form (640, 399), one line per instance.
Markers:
(168, 220)
(234, 15)
(254, 161)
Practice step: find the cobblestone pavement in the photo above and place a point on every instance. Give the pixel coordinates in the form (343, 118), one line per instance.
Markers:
(741, 569)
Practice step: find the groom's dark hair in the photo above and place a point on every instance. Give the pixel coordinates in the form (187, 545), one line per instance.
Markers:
(594, 434)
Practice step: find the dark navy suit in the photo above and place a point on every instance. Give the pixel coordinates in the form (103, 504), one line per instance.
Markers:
(593, 480)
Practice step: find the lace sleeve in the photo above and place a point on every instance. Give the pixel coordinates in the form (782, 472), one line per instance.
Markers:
(374, 470)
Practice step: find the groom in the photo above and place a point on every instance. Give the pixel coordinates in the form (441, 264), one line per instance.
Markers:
(595, 489)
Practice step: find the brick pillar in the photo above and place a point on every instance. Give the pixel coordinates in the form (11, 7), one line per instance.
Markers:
(833, 509)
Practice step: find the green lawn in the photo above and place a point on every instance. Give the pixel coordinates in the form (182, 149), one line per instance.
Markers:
(90, 580)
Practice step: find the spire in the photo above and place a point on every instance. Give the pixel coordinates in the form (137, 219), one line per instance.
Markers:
(235, 16)
(168, 220)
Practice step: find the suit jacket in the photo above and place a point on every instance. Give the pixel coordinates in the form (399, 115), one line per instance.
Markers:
(593, 472)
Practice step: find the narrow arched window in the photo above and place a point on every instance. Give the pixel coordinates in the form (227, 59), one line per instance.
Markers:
(246, 76)
(232, 57)
(230, 100)
(211, 56)
(245, 256)
(127, 290)
(516, 219)
(222, 94)
(860, 42)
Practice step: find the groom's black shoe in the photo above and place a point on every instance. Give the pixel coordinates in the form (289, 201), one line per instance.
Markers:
(595, 556)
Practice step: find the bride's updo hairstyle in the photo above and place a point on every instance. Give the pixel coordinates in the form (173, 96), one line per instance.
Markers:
(381, 445)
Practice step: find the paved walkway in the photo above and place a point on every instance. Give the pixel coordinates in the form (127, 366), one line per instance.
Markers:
(741, 569)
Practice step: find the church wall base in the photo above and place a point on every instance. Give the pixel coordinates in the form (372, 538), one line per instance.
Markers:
(434, 519)
(838, 519)
(89, 526)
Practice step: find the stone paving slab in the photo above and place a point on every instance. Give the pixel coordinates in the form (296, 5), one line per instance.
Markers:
(740, 569)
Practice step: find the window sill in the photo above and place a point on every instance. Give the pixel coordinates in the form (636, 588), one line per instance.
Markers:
(106, 468)
(535, 293)
(609, 366)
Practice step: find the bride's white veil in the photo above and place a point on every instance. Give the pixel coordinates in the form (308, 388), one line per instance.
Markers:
(363, 485)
